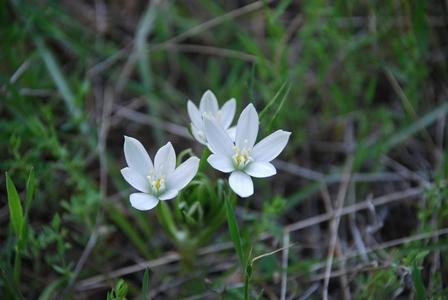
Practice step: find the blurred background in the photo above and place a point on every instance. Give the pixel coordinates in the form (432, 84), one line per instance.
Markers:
(358, 208)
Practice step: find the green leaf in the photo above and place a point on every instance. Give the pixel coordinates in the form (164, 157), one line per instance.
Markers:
(420, 24)
(235, 232)
(30, 187)
(144, 29)
(51, 289)
(273, 100)
(145, 289)
(10, 288)
(58, 77)
(15, 207)
(166, 219)
(418, 283)
(414, 127)
(247, 277)
(279, 107)
(60, 81)
(119, 292)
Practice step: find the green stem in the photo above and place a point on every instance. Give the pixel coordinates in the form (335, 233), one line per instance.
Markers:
(17, 265)
(166, 219)
(246, 288)
(248, 275)
(235, 231)
(187, 249)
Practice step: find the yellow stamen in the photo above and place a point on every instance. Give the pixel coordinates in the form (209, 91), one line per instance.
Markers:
(241, 157)
(157, 182)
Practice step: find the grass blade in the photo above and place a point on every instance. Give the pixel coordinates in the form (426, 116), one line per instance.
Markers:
(273, 100)
(30, 187)
(62, 85)
(235, 232)
(423, 122)
(280, 106)
(51, 289)
(146, 285)
(15, 207)
(418, 283)
(58, 77)
(10, 289)
(144, 29)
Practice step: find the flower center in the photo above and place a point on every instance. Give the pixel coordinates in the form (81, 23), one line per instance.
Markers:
(241, 157)
(157, 182)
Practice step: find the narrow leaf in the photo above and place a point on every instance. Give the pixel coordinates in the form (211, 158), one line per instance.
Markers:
(30, 187)
(280, 106)
(273, 100)
(58, 77)
(234, 232)
(418, 283)
(15, 207)
(146, 285)
(414, 127)
(51, 289)
(166, 219)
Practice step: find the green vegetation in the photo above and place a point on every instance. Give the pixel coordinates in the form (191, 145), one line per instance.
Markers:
(362, 86)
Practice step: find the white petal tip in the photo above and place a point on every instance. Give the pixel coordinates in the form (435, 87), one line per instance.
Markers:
(143, 201)
(241, 184)
(123, 170)
(244, 195)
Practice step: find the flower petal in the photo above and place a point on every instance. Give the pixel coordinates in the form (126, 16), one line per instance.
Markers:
(136, 156)
(195, 115)
(183, 174)
(165, 160)
(260, 169)
(143, 201)
(135, 179)
(232, 133)
(209, 103)
(169, 194)
(241, 184)
(271, 146)
(227, 113)
(218, 140)
(199, 135)
(221, 163)
(247, 128)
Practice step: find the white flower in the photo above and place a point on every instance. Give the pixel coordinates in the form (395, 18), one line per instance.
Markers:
(161, 181)
(243, 158)
(208, 108)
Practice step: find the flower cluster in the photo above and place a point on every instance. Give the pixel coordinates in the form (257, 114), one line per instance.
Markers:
(234, 150)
